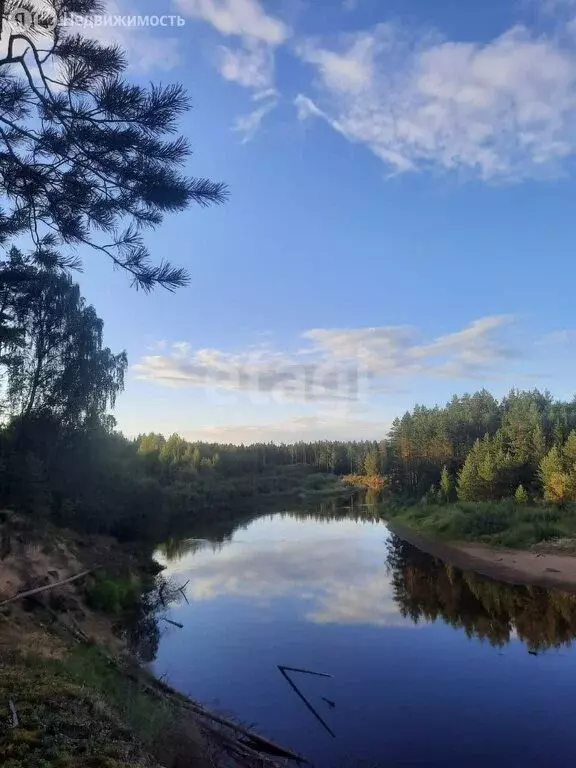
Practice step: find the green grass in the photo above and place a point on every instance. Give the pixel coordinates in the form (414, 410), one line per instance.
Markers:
(84, 711)
(113, 594)
(498, 523)
(148, 717)
(73, 713)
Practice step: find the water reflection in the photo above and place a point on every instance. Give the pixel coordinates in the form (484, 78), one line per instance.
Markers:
(335, 572)
(413, 646)
(176, 548)
(354, 572)
(427, 589)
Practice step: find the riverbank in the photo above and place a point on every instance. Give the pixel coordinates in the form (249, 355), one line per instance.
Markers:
(71, 691)
(549, 564)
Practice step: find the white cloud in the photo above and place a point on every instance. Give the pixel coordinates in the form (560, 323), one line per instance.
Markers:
(251, 66)
(243, 18)
(351, 71)
(251, 63)
(249, 124)
(505, 109)
(306, 108)
(337, 364)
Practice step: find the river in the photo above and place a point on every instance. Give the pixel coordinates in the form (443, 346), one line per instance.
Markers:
(428, 665)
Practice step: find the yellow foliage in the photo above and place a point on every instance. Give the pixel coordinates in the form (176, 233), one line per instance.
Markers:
(377, 482)
(556, 488)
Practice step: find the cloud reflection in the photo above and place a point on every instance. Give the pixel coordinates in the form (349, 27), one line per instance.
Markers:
(337, 572)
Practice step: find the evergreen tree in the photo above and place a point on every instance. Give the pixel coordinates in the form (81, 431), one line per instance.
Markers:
(83, 151)
(470, 484)
(372, 464)
(569, 451)
(553, 478)
(520, 495)
(445, 485)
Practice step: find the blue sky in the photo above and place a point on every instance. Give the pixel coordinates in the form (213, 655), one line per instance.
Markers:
(400, 220)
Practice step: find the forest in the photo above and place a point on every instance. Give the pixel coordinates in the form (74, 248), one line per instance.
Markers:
(63, 459)
(88, 162)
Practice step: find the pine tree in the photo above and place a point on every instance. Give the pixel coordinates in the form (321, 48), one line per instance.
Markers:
(521, 495)
(553, 478)
(445, 485)
(84, 152)
(470, 485)
(487, 470)
(569, 451)
(372, 464)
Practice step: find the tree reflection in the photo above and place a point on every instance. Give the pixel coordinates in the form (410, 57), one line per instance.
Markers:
(175, 548)
(426, 588)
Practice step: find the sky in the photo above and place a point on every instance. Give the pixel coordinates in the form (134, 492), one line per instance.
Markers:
(400, 222)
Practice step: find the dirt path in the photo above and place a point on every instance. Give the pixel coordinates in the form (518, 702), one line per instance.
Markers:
(541, 568)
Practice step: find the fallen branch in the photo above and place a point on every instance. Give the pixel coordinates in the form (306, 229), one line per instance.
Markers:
(13, 713)
(299, 693)
(46, 587)
(162, 690)
(305, 671)
(181, 590)
(176, 623)
(64, 620)
(268, 746)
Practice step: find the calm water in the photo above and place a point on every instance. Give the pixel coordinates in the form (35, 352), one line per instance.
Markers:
(430, 666)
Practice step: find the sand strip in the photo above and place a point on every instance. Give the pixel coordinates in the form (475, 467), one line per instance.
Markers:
(509, 565)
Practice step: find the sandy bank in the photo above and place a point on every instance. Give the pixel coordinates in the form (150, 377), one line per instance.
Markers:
(537, 567)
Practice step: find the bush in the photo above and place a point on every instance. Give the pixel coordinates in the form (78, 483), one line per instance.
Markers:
(112, 595)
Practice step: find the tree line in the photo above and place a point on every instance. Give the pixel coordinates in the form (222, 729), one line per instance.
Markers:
(477, 448)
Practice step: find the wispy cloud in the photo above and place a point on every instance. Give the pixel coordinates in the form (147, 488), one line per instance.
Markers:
(505, 109)
(251, 66)
(243, 18)
(338, 364)
(250, 63)
(249, 124)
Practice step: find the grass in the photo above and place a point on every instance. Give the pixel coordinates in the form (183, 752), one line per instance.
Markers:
(64, 721)
(498, 523)
(82, 712)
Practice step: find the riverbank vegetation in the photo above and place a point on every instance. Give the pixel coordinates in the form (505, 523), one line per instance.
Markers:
(502, 472)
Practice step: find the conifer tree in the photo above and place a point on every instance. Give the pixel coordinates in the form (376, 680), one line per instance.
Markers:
(553, 478)
(470, 484)
(86, 158)
(445, 485)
